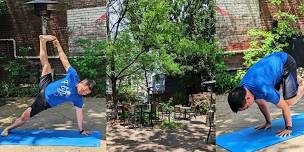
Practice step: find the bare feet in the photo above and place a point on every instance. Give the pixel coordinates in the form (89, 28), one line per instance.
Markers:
(46, 38)
(4, 133)
(56, 43)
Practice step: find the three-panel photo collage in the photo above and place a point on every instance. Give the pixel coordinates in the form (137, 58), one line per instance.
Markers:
(151, 75)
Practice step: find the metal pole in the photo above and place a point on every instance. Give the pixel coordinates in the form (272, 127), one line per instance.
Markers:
(44, 24)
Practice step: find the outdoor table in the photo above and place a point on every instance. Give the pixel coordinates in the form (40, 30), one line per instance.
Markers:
(185, 111)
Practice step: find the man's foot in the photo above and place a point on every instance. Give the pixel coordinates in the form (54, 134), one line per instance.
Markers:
(47, 38)
(4, 133)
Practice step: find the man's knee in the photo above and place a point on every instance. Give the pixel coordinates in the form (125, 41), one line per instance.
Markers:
(46, 68)
(26, 116)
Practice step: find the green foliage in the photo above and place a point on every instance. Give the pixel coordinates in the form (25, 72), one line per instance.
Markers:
(91, 64)
(276, 2)
(166, 124)
(11, 90)
(224, 80)
(166, 106)
(3, 7)
(154, 33)
(262, 43)
(203, 108)
(197, 51)
(197, 17)
(161, 37)
(198, 57)
(301, 8)
(266, 42)
(18, 70)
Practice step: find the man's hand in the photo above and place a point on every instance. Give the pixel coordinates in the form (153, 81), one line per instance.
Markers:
(56, 43)
(85, 133)
(264, 126)
(284, 132)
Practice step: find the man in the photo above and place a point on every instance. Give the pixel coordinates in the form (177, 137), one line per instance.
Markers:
(262, 83)
(51, 93)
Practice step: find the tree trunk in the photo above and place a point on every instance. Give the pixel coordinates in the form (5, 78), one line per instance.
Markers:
(114, 95)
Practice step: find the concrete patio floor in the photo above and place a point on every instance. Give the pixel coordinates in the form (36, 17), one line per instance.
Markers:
(190, 138)
(227, 121)
(58, 118)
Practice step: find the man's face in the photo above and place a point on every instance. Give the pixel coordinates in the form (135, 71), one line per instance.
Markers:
(249, 99)
(83, 89)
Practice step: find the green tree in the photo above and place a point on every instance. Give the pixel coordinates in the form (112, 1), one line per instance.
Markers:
(198, 51)
(143, 44)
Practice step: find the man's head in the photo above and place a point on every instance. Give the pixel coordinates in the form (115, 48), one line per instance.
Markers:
(85, 87)
(240, 99)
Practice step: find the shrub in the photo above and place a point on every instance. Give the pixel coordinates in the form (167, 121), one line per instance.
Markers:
(11, 90)
(171, 124)
(91, 64)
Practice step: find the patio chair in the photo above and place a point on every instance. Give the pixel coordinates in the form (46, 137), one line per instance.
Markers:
(193, 112)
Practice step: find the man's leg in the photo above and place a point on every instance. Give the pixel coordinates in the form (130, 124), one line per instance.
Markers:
(299, 95)
(46, 67)
(19, 122)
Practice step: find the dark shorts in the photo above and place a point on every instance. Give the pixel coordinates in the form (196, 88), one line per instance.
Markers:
(40, 103)
(289, 80)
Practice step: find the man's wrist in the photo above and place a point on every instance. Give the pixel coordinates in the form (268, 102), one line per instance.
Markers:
(288, 128)
(81, 131)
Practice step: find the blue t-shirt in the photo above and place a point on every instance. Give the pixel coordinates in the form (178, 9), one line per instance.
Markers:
(262, 77)
(64, 90)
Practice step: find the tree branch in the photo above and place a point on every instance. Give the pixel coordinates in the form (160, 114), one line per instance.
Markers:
(120, 19)
(128, 74)
(130, 63)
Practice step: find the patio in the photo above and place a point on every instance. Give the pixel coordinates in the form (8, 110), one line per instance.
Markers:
(59, 118)
(191, 137)
(147, 127)
(227, 121)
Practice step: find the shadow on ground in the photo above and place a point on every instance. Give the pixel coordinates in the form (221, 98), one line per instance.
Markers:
(190, 138)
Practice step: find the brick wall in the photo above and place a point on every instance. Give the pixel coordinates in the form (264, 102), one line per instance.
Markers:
(85, 23)
(267, 12)
(236, 17)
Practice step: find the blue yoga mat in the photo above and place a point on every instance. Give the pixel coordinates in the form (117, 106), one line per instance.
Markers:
(51, 138)
(250, 139)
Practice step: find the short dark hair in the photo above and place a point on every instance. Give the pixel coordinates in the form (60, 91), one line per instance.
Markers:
(236, 98)
(89, 83)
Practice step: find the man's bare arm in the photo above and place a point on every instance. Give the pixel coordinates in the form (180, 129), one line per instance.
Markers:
(79, 116)
(63, 58)
(265, 111)
(287, 118)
